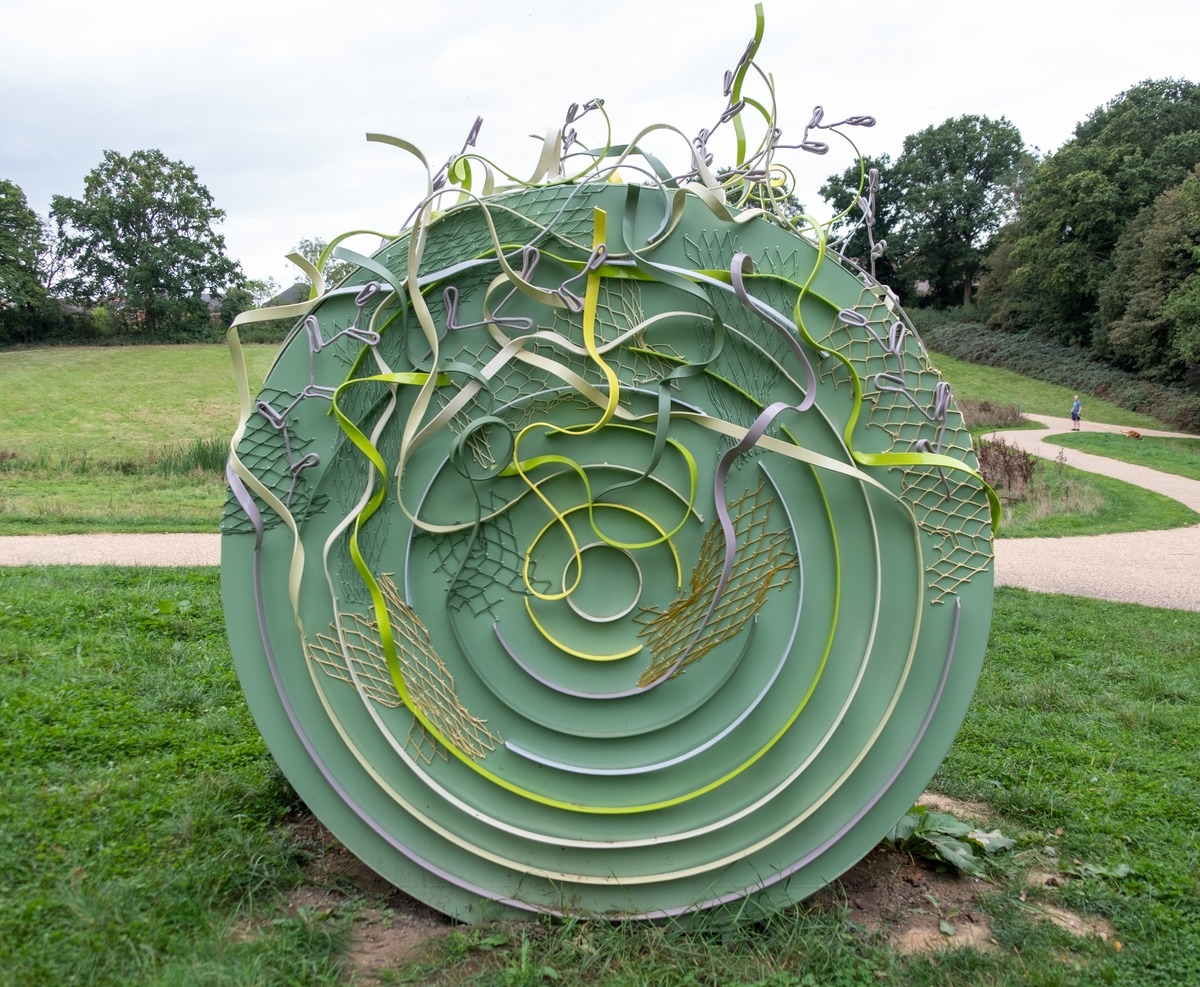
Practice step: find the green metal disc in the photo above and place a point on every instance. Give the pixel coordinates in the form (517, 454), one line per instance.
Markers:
(645, 573)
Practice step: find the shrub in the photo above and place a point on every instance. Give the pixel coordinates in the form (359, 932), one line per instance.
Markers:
(104, 324)
(1007, 468)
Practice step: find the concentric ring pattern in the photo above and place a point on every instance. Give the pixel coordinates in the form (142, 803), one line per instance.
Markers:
(655, 577)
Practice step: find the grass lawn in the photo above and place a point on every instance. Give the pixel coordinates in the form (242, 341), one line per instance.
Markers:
(143, 836)
(1167, 455)
(88, 430)
(98, 439)
(978, 383)
(120, 403)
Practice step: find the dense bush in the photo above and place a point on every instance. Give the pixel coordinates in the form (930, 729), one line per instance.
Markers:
(1040, 358)
(46, 323)
(274, 331)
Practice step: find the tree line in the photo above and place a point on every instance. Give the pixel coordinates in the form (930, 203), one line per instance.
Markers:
(138, 257)
(1095, 245)
(137, 254)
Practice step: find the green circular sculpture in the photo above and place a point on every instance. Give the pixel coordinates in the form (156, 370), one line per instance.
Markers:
(603, 547)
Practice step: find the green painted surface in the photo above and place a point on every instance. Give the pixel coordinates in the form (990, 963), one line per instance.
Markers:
(526, 769)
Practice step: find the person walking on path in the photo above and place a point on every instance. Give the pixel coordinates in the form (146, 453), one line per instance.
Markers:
(1076, 413)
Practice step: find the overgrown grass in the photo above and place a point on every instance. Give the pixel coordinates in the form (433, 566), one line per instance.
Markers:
(140, 839)
(178, 490)
(1178, 456)
(201, 455)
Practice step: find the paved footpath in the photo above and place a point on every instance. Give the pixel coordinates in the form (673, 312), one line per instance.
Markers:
(1157, 568)
(157, 550)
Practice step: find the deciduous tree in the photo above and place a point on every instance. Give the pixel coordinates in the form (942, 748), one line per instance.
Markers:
(143, 235)
(957, 184)
(333, 268)
(247, 295)
(850, 195)
(1082, 197)
(24, 307)
(21, 243)
(1148, 304)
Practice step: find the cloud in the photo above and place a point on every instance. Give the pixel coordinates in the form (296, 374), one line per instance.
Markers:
(270, 101)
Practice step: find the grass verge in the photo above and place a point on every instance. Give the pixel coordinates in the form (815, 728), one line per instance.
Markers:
(1062, 501)
(55, 501)
(140, 837)
(1167, 455)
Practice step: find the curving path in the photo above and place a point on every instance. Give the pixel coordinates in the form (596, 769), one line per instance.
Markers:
(1157, 568)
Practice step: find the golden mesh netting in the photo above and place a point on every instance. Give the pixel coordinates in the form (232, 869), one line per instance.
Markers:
(430, 684)
(760, 565)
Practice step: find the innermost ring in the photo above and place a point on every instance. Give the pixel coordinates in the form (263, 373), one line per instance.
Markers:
(608, 576)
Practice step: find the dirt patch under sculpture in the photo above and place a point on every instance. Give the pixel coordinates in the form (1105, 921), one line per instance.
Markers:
(913, 904)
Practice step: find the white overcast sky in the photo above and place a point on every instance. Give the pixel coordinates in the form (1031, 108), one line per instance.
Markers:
(270, 100)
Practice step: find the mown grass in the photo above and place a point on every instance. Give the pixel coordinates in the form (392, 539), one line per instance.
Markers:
(1062, 501)
(117, 439)
(1167, 455)
(140, 836)
(132, 439)
(979, 383)
(120, 404)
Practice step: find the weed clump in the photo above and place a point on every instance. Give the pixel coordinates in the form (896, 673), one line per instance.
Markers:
(988, 415)
(1006, 467)
(203, 455)
(1063, 493)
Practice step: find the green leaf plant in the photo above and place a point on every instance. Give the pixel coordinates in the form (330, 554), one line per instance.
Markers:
(946, 839)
